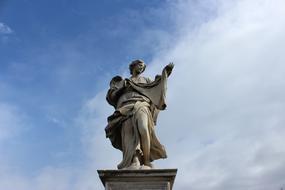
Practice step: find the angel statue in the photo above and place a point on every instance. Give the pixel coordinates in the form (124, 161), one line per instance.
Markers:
(137, 101)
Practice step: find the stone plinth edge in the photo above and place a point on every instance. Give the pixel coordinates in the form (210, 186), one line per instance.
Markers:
(156, 179)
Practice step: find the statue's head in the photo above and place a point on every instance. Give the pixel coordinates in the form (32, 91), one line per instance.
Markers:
(137, 66)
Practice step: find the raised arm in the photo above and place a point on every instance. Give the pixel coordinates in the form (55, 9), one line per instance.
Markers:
(168, 68)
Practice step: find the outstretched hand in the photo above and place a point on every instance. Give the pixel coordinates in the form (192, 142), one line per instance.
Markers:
(169, 68)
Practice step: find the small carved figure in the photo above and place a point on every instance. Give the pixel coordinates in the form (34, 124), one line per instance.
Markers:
(137, 101)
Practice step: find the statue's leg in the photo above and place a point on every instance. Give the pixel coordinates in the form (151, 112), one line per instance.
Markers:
(142, 122)
(129, 143)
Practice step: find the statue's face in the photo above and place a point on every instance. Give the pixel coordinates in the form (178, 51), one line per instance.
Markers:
(138, 68)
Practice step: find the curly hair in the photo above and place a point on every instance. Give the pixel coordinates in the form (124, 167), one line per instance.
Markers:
(135, 62)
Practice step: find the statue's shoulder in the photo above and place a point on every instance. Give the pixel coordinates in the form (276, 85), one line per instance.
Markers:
(116, 85)
(116, 82)
(116, 79)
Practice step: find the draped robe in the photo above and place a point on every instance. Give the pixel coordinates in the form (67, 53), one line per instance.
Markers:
(143, 97)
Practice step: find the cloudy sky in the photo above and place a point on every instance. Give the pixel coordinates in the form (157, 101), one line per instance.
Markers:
(225, 123)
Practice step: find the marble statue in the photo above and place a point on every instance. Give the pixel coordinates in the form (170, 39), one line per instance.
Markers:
(137, 101)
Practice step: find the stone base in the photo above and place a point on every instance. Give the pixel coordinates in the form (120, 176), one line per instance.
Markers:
(150, 179)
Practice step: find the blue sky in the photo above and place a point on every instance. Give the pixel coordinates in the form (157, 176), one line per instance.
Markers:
(225, 97)
(59, 54)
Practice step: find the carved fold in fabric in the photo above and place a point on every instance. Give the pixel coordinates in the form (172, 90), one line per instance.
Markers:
(155, 90)
(129, 102)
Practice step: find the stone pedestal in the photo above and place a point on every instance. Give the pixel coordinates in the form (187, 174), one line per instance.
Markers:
(151, 179)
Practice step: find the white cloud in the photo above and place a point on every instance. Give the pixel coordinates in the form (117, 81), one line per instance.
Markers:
(225, 104)
(11, 121)
(48, 178)
(93, 119)
(5, 29)
(226, 98)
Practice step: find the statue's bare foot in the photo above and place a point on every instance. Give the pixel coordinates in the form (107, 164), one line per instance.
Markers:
(147, 166)
(143, 167)
(132, 167)
(135, 164)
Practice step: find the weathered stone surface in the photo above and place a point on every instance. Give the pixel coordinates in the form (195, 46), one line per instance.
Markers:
(151, 179)
(137, 100)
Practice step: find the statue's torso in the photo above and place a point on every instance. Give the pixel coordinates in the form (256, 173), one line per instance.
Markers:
(130, 95)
